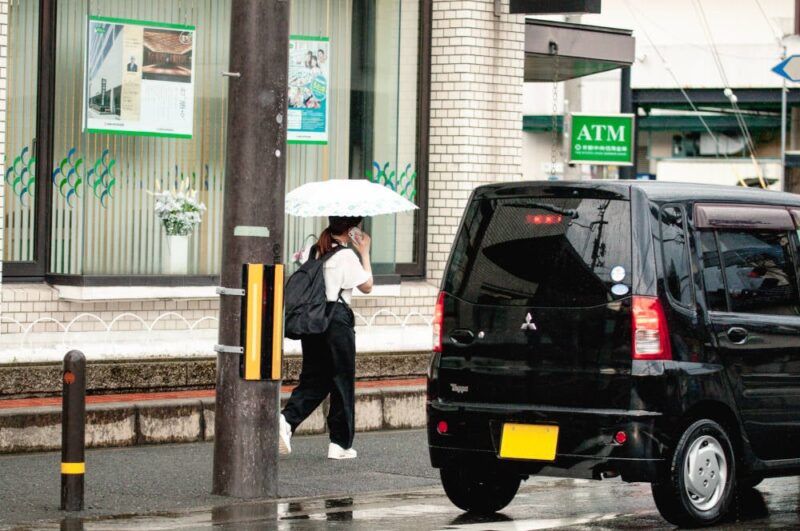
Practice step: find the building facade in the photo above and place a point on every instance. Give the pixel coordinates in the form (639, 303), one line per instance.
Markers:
(688, 129)
(424, 96)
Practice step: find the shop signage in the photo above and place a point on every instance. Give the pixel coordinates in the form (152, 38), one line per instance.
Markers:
(309, 82)
(601, 140)
(789, 68)
(139, 78)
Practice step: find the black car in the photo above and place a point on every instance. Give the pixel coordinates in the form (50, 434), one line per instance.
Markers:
(638, 329)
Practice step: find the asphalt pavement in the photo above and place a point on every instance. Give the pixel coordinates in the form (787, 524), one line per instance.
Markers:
(390, 486)
(178, 477)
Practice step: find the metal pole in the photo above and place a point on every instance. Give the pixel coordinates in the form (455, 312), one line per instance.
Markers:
(626, 106)
(783, 129)
(73, 431)
(246, 420)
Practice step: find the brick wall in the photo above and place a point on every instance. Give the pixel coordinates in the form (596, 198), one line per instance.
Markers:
(477, 61)
(37, 306)
(24, 305)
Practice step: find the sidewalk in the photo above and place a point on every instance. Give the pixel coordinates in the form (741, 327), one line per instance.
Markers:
(34, 424)
(171, 478)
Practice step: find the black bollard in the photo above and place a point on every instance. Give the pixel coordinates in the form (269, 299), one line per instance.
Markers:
(73, 431)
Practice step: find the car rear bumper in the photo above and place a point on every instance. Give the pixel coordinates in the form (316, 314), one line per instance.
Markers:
(585, 448)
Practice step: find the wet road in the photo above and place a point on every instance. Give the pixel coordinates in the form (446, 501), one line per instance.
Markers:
(390, 486)
(541, 504)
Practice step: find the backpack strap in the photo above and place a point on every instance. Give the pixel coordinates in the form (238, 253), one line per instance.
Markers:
(327, 257)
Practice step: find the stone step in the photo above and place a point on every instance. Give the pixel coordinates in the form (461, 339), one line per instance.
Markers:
(29, 425)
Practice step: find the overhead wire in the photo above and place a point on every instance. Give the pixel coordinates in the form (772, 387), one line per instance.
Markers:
(728, 91)
(674, 77)
(775, 31)
(682, 42)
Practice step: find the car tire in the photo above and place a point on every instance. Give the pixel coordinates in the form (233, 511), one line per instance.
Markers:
(479, 492)
(699, 487)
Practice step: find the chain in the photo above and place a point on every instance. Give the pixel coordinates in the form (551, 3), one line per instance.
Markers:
(554, 144)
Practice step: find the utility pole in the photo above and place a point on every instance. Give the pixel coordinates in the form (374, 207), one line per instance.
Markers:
(794, 133)
(246, 420)
(573, 94)
(626, 107)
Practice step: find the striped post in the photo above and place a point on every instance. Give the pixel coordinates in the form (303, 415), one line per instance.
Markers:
(73, 431)
(262, 322)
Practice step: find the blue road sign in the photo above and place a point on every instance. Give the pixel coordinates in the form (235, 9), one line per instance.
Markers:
(789, 68)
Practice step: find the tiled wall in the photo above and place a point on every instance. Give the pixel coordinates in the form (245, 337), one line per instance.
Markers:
(28, 303)
(476, 111)
(24, 304)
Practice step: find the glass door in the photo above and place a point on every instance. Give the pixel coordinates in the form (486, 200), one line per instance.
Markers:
(20, 197)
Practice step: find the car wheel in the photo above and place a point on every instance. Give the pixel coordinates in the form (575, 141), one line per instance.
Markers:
(479, 492)
(699, 486)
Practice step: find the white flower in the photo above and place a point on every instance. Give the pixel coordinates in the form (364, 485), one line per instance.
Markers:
(180, 212)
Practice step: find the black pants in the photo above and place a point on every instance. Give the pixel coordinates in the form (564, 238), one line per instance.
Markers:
(329, 367)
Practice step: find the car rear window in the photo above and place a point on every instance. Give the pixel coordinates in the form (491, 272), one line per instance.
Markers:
(542, 252)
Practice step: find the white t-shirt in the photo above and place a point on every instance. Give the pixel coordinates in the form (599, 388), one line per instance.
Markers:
(342, 271)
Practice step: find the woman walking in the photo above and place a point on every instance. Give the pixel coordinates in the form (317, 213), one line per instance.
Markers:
(329, 357)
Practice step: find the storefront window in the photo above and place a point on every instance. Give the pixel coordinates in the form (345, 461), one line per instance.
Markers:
(20, 161)
(373, 114)
(103, 212)
(103, 218)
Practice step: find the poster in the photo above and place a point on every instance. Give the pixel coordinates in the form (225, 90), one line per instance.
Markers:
(139, 78)
(309, 79)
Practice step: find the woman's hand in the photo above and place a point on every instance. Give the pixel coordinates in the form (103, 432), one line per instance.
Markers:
(362, 243)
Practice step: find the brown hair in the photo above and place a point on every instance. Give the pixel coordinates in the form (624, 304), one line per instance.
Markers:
(336, 225)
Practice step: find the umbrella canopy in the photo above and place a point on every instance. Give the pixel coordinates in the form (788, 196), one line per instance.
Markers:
(345, 197)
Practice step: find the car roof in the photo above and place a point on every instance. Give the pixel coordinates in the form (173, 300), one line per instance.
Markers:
(658, 191)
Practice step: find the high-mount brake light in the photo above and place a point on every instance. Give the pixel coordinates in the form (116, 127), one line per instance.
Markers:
(438, 318)
(543, 219)
(649, 330)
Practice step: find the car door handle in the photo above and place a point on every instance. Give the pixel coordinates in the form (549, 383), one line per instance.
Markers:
(737, 335)
(462, 337)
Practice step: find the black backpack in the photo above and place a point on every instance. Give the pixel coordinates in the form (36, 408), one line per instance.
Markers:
(305, 300)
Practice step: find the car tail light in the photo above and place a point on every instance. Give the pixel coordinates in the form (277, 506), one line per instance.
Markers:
(620, 437)
(442, 427)
(438, 318)
(650, 333)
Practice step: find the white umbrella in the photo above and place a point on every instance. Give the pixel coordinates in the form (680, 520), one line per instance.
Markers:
(345, 197)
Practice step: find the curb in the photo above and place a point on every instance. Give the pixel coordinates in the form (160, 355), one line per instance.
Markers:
(190, 420)
(173, 374)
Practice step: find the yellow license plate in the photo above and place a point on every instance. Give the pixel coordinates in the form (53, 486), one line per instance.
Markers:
(529, 441)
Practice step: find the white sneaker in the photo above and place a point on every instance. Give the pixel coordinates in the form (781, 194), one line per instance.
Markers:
(337, 452)
(284, 436)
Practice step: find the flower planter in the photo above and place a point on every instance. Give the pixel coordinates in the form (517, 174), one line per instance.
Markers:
(178, 263)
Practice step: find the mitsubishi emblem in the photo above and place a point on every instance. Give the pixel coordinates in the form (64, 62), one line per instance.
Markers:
(528, 324)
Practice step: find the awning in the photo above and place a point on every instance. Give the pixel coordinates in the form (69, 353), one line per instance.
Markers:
(582, 50)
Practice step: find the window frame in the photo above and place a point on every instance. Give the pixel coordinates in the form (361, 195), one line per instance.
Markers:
(670, 297)
(793, 256)
(38, 270)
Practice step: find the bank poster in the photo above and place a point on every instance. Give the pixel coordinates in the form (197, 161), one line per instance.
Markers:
(139, 78)
(309, 82)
